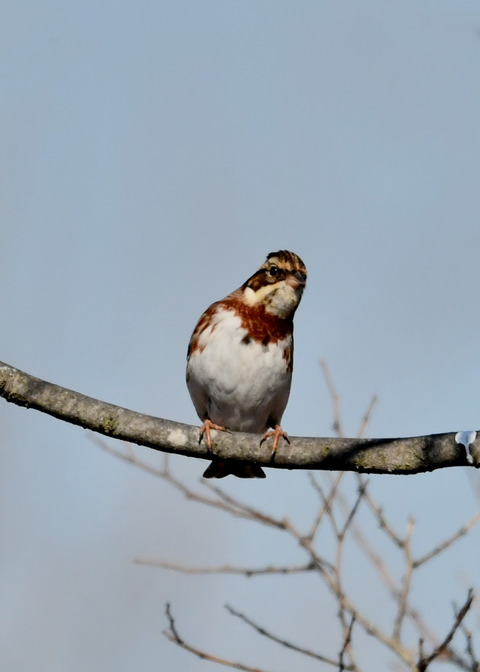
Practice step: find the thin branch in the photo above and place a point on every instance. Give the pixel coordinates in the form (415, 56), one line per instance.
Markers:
(353, 511)
(327, 500)
(392, 456)
(406, 582)
(337, 415)
(366, 417)
(383, 572)
(465, 529)
(474, 662)
(338, 564)
(382, 521)
(346, 647)
(226, 569)
(173, 636)
(300, 649)
(166, 474)
(337, 425)
(245, 509)
(328, 573)
(442, 649)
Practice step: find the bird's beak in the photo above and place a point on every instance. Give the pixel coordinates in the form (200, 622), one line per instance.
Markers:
(296, 280)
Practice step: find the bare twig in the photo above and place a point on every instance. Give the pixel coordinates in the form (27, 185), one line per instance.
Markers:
(300, 649)
(337, 415)
(382, 520)
(366, 418)
(245, 509)
(337, 425)
(465, 529)
(384, 573)
(326, 500)
(338, 569)
(406, 582)
(173, 636)
(473, 660)
(361, 493)
(346, 647)
(442, 649)
(327, 570)
(226, 569)
(129, 456)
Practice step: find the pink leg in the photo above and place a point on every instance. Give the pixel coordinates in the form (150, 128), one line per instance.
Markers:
(205, 432)
(277, 433)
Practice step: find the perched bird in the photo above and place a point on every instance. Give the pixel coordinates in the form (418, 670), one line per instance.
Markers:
(240, 358)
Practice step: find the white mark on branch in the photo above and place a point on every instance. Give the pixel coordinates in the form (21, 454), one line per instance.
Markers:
(178, 438)
(467, 439)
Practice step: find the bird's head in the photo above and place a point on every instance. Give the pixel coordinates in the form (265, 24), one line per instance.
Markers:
(277, 285)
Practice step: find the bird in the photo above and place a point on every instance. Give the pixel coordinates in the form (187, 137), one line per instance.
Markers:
(240, 359)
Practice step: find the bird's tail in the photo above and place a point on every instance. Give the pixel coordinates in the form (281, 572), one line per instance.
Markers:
(219, 468)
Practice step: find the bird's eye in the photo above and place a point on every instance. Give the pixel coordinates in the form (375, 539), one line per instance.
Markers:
(274, 271)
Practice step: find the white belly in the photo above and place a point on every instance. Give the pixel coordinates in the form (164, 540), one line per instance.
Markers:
(240, 385)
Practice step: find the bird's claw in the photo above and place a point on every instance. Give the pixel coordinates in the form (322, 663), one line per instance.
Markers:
(205, 432)
(277, 433)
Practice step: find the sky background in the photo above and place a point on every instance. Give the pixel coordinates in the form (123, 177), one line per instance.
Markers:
(151, 155)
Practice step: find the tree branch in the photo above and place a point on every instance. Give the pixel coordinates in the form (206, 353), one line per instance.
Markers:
(287, 644)
(173, 636)
(227, 569)
(390, 456)
(442, 649)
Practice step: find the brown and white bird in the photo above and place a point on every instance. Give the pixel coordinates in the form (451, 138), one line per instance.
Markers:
(240, 358)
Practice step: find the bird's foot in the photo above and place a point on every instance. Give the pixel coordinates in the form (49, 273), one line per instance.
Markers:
(277, 433)
(205, 432)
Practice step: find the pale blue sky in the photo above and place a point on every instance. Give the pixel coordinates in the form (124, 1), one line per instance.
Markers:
(152, 154)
